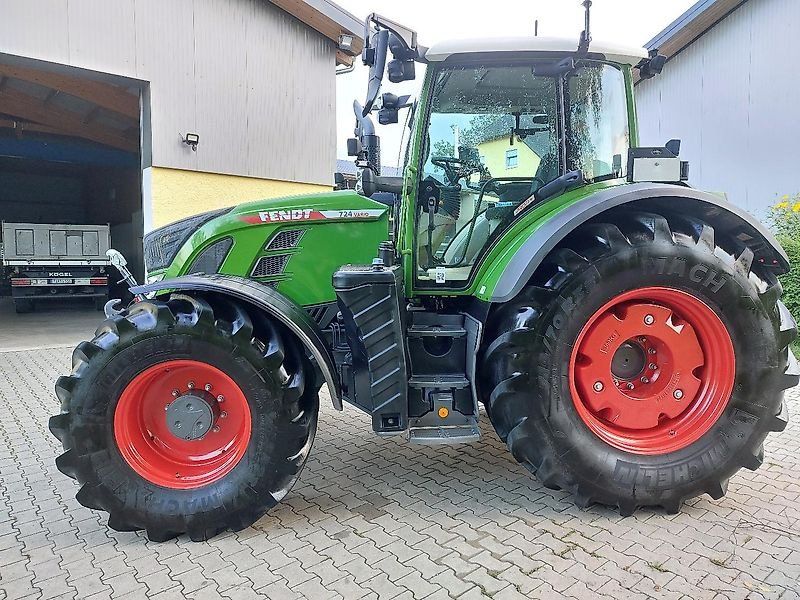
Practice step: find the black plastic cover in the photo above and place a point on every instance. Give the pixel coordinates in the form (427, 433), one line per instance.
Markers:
(375, 377)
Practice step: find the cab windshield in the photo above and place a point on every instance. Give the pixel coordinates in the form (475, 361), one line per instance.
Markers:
(496, 134)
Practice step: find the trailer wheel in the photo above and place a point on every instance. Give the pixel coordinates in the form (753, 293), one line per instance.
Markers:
(644, 364)
(23, 306)
(183, 418)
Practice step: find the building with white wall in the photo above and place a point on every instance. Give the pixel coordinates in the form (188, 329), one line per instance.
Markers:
(730, 92)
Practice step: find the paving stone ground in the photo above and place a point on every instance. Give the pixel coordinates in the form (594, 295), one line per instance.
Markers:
(380, 518)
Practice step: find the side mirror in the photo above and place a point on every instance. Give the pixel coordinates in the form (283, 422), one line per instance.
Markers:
(401, 70)
(390, 107)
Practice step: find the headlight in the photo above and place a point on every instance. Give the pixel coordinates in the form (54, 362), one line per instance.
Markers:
(161, 245)
(210, 260)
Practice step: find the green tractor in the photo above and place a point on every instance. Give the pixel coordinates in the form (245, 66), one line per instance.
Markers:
(622, 330)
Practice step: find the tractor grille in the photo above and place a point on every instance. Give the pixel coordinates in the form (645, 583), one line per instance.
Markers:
(268, 266)
(286, 239)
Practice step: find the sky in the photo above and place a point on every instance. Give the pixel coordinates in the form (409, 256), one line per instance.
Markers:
(629, 22)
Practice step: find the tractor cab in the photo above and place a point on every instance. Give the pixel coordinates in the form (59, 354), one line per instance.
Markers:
(503, 126)
(509, 124)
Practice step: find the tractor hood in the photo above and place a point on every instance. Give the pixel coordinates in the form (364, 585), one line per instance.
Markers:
(294, 243)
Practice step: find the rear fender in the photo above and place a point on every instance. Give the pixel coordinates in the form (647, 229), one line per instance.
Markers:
(714, 210)
(268, 300)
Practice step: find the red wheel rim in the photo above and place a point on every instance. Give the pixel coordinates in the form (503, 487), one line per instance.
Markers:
(687, 371)
(149, 444)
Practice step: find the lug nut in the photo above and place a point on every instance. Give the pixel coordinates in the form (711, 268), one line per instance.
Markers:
(645, 380)
(651, 351)
(175, 393)
(208, 387)
(653, 366)
(672, 432)
(649, 319)
(220, 398)
(598, 386)
(630, 386)
(167, 406)
(642, 340)
(223, 414)
(215, 429)
(190, 385)
(678, 394)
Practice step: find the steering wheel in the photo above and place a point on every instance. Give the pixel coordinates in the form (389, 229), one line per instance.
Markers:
(453, 167)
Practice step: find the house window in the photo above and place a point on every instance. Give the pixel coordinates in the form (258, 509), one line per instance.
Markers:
(512, 159)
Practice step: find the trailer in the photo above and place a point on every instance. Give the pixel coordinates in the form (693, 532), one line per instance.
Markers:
(43, 261)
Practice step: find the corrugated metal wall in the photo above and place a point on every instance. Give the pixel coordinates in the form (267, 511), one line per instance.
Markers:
(256, 84)
(732, 98)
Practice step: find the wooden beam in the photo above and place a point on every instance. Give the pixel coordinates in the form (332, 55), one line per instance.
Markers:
(19, 127)
(323, 24)
(102, 94)
(344, 59)
(28, 108)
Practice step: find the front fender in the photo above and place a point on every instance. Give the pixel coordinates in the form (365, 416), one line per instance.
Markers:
(272, 302)
(713, 209)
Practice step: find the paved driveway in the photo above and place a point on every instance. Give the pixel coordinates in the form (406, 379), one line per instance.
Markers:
(55, 323)
(379, 518)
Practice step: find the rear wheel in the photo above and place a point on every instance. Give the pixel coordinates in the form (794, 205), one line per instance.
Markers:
(183, 418)
(644, 365)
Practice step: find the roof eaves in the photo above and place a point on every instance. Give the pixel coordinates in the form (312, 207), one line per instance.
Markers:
(701, 18)
(679, 34)
(329, 19)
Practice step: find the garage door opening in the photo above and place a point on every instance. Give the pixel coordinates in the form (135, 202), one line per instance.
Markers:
(71, 157)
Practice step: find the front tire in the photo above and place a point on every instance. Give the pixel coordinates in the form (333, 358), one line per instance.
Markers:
(183, 418)
(644, 365)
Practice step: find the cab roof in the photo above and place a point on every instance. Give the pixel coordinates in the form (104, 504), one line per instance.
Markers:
(630, 55)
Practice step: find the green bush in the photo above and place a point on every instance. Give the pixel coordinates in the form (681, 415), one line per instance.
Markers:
(784, 219)
(791, 281)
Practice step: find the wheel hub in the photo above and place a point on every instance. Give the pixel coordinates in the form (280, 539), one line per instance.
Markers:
(629, 361)
(192, 415)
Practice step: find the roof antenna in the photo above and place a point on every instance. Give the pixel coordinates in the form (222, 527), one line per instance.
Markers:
(536, 28)
(586, 36)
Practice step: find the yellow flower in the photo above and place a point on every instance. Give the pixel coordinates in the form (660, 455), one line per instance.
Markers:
(785, 198)
(796, 207)
(782, 205)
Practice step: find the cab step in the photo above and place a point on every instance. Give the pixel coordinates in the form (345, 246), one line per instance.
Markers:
(438, 381)
(445, 434)
(436, 331)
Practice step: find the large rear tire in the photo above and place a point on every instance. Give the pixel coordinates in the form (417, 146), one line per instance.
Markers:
(183, 418)
(644, 364)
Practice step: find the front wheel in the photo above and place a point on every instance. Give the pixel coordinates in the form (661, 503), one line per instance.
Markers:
(644, 365)
(183, 418)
